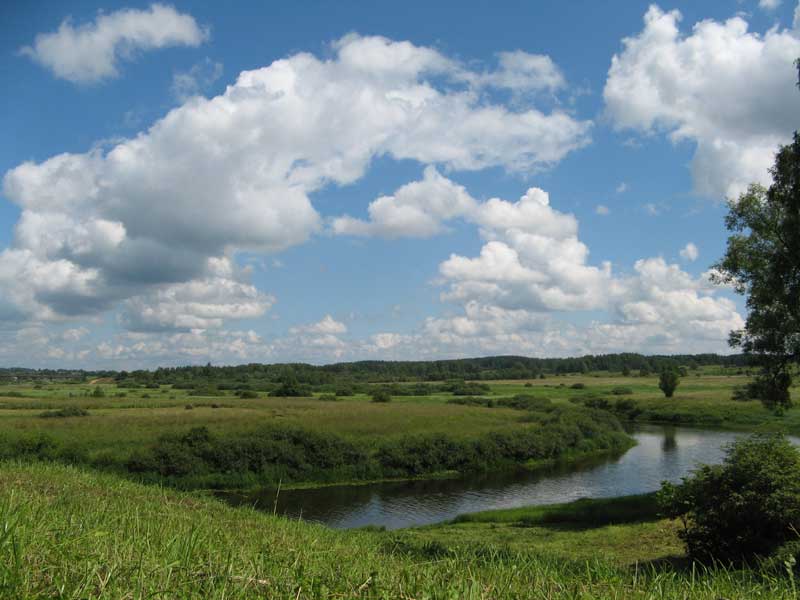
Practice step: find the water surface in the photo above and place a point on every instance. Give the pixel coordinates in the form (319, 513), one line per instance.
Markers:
(662, 453)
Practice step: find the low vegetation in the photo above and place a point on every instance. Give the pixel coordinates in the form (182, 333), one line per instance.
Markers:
(744, 509)
(68, 533)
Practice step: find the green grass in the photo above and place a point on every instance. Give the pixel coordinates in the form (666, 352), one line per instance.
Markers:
(625, 530)
(70, 534)
(118, 425)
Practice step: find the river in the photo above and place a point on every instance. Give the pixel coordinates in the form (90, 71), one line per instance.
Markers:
(661, 453)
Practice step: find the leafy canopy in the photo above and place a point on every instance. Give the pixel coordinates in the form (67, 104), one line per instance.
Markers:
(762, 260)
(747, 507)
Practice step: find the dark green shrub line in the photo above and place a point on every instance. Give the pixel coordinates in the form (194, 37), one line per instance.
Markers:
(198, 458)
(67, 411)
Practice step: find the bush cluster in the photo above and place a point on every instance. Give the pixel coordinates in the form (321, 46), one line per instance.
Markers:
(199, 457)
(67, 411)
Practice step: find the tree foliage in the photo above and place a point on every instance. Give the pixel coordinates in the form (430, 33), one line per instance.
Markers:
(668, 381)
(762, 260)
(747, 507)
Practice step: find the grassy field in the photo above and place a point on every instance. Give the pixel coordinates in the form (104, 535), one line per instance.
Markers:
(408, 437)
(124, 421)
(67, 533)
(624, 531)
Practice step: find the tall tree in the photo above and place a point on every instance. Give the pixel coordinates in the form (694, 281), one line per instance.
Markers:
(762, 260)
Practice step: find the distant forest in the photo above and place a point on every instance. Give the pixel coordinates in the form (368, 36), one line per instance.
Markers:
(373, 371)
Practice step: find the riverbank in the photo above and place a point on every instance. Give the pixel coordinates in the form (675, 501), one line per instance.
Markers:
(624, 530)
(72, 533)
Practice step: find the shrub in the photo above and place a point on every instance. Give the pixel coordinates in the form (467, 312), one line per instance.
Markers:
(741, 393)
(597, 402)
(67, 411)
(523, 402)
(470, 401)
(622, 391)
(627, 408)
(462, 388)
(189, 406)
(328, 398)
(528, 384)
(749, 506)
(344, 390)
(247, 394)
(668, 381)
(381, 395)
(205, 390)
(578, 386)
(98, 392)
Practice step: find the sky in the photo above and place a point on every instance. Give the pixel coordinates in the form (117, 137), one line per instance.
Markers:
(321, 182)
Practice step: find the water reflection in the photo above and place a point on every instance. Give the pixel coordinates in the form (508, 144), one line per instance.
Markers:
(662, 453)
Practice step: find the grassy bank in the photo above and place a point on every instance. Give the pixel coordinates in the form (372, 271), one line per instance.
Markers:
(231, 442)
(68, 533)
(252, 441)
(624, 531)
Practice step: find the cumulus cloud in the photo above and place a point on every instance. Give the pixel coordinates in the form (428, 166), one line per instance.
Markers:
(144, 220)
(769, 4)
(524, 72)
(728, 90)
(326, 326)
(416, 209)
(92, 51)
(197, 80)
(690, 252)
(533, 267)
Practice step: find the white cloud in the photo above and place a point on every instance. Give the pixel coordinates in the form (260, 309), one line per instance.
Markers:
(197, 304)
(602, 209)
(651, 209)
(142, 220)
(416, 209)
(197, 80)
(532, 269)
(92, 51)
(730, 91)
(769, 4)
(690, 252)
(521, 71)
(326, 326)
(622, 188)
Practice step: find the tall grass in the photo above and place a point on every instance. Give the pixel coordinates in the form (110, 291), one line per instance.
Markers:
(66, 533)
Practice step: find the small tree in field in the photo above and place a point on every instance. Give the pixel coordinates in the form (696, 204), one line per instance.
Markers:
(668, 381)
(749, 506)
(381, 395)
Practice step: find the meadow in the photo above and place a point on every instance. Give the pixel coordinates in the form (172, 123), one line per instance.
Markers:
(75, 524)
(72, 533)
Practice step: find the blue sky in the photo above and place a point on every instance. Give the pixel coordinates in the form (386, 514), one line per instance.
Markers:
(338, 181)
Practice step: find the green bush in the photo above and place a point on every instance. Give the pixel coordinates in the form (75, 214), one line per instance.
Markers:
(749, 506)
(668, 381)
(462, 388)
(247, 394)
(578, 386)
(67, 411)
(621, 391)
(524, 402)
(381, 395)
(205, 390)
(328, 398)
